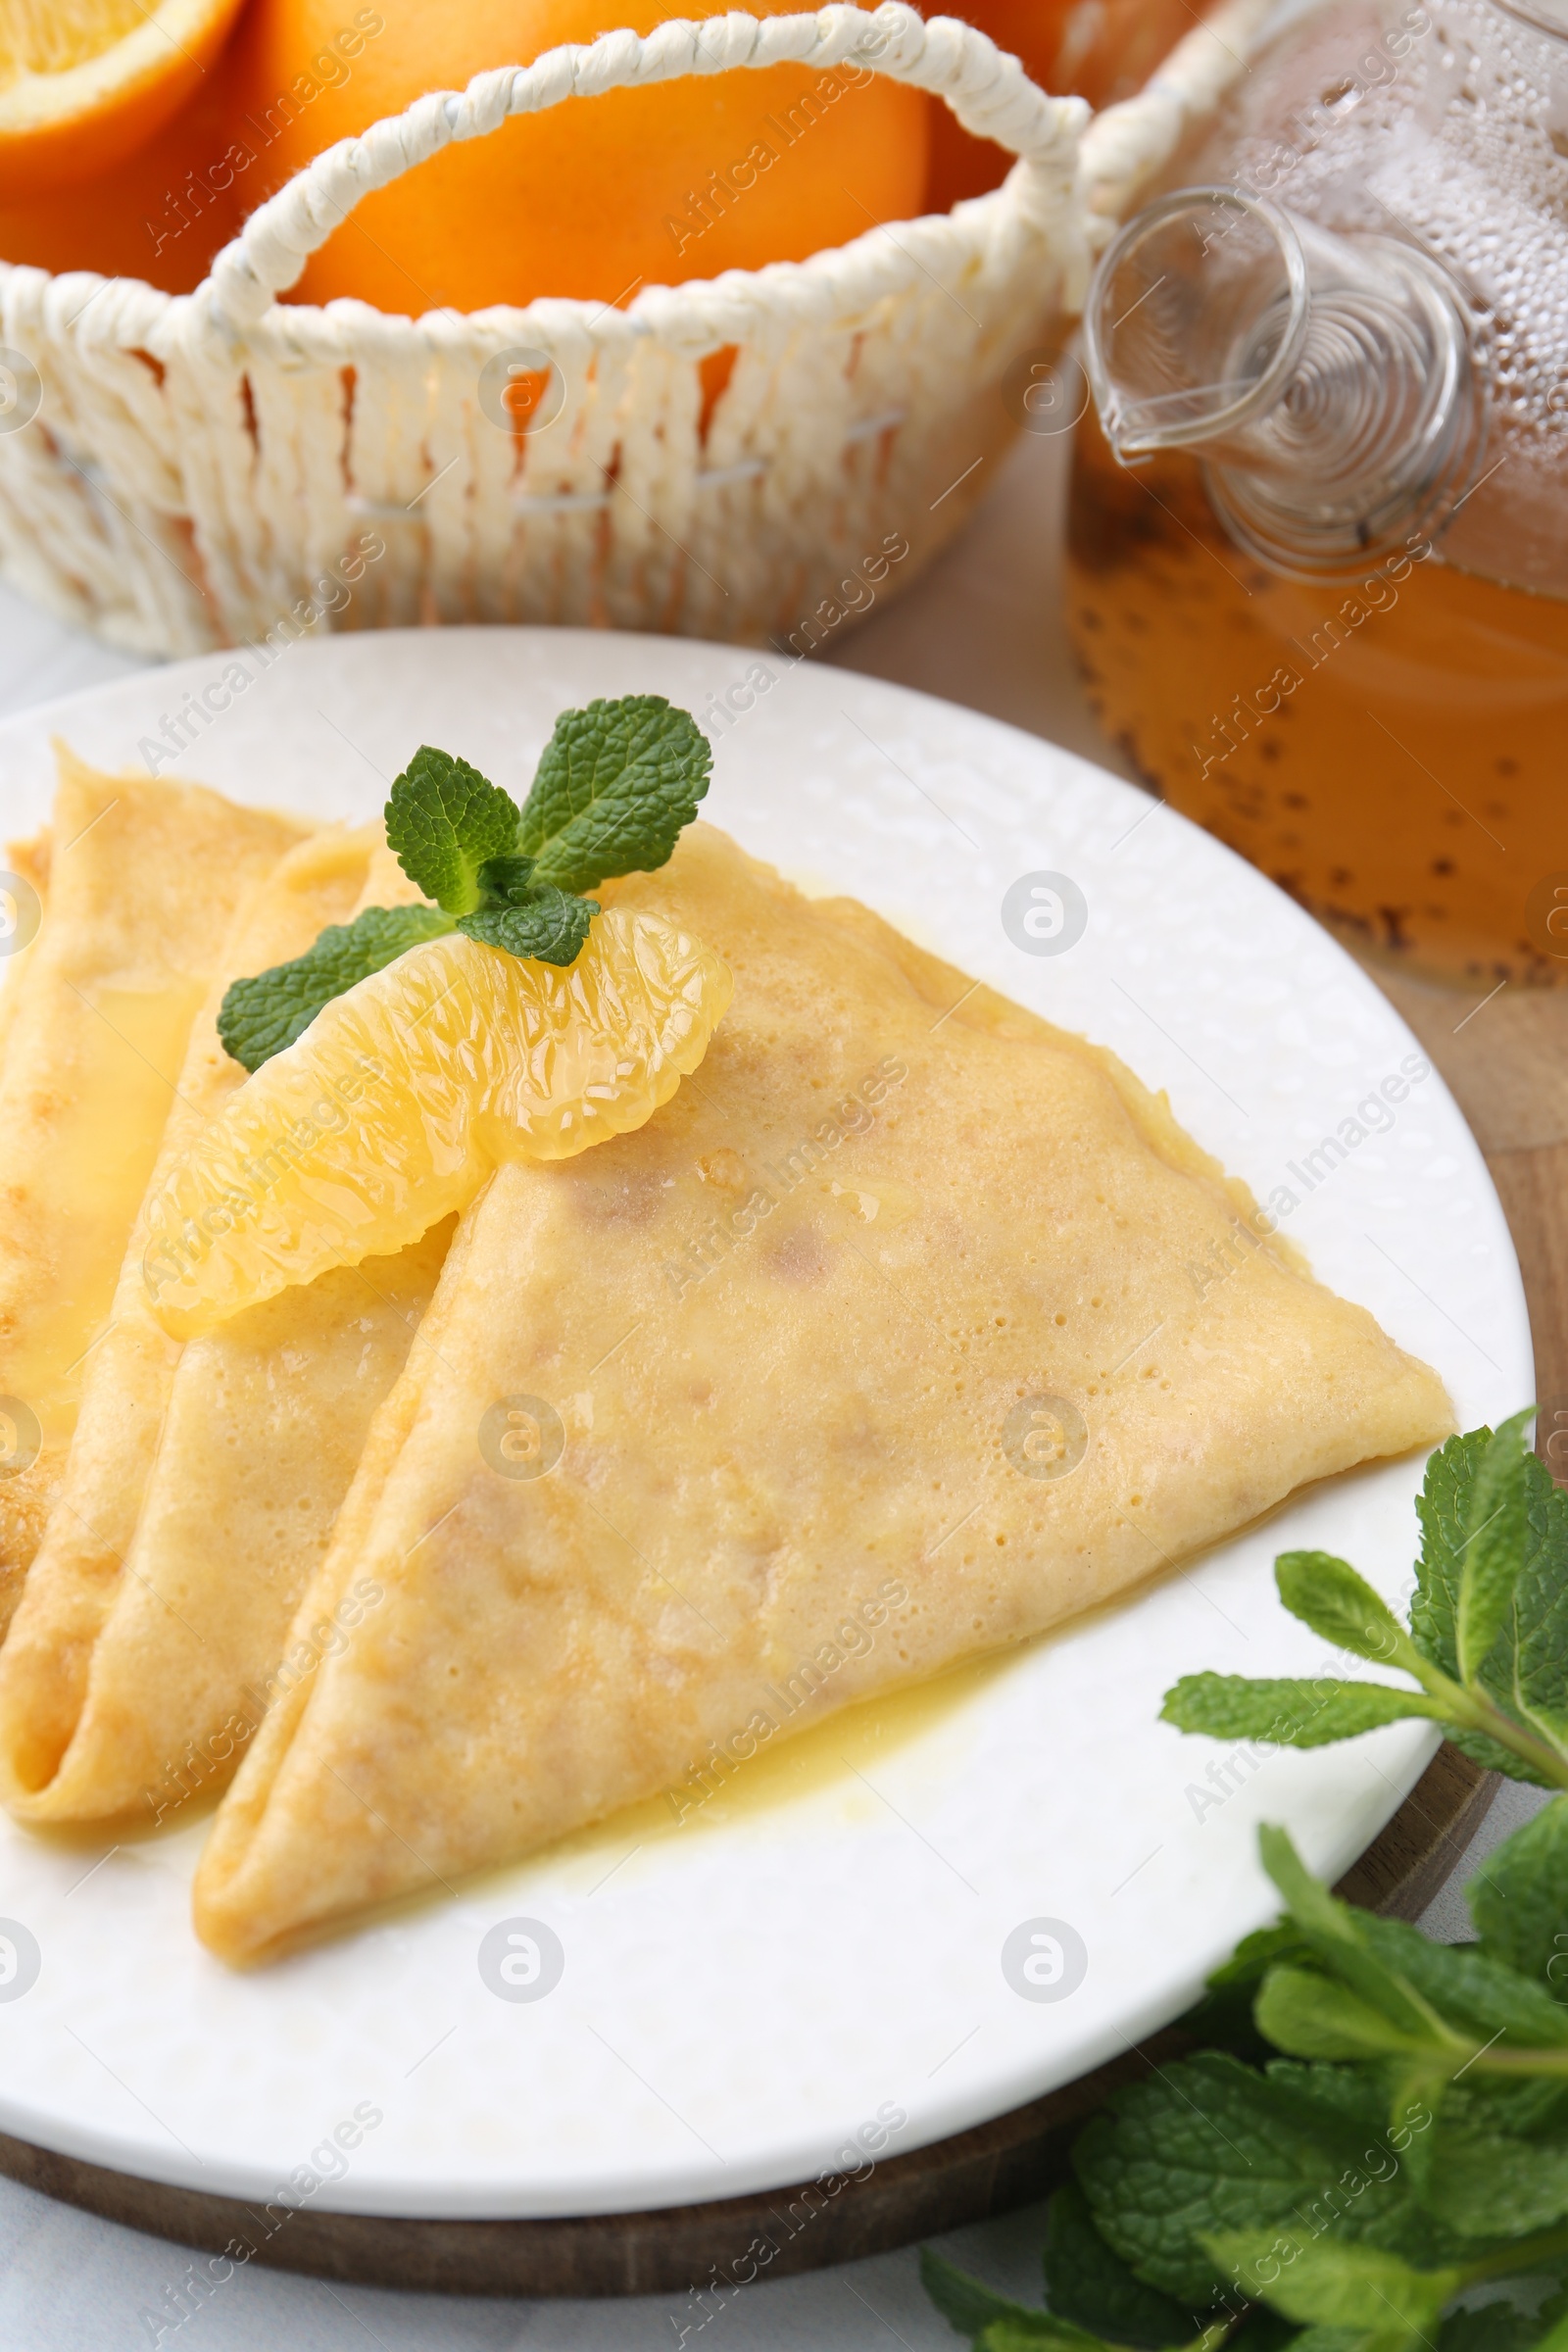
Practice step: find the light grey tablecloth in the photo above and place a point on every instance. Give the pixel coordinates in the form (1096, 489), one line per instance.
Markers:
(983, 628)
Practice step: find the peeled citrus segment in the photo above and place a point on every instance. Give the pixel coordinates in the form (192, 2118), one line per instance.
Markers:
(85, 83)
(405, 1093)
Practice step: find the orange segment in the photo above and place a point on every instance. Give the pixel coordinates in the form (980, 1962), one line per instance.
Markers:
(401, 1097)
(86, 82)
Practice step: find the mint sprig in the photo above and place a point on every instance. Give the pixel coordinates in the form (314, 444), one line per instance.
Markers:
(260, 1016)
(1383, 2133)
(615, 786)
(1488, 1640)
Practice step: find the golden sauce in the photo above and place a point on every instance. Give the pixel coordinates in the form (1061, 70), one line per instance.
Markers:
(832, 1756)
(1390, 751)
(125, 1061)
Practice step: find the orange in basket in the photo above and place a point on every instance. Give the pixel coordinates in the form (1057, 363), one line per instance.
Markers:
(86, 82)
(595, 198)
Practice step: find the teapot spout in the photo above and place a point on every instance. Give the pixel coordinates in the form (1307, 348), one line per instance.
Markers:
(1326, 380)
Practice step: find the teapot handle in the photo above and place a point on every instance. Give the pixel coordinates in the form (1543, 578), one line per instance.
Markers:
(988, 90)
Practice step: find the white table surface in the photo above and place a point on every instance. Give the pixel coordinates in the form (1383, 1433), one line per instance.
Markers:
(983, 628)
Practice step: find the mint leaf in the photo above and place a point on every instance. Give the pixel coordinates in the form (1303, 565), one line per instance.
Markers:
(615, 784)
(1528, 1670)
(1338, 1936)
(1442, 1508)
(1497, 1540)
(1257, 1954)
(442, 822)
(1208, 2144)
(1329, 1596)
(1526, 1673)
(1325, 2281)
(548, 924)
(1487, 2183)
(1494, 2328)
(261, 1016)
(1309, 2016)
(1089, 2284)
(1519, 1900)
(1290, 1711)
(1427, 1989)
(1026, 2329)
(969, 2307)
(509, 878)
(1222, 2015)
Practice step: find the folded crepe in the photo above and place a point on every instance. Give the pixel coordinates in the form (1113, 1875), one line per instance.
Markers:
(143, 881)
(878, 1346)
(203, 1483)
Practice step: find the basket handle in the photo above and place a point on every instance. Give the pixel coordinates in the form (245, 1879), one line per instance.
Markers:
(1126, 145)
(988, 90)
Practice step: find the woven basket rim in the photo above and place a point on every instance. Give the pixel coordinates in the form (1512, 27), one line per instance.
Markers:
(288, 327)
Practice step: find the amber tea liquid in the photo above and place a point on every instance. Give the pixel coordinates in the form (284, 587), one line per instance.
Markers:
(1393, 751)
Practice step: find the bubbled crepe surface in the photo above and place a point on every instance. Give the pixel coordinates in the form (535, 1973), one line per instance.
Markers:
(143, 880)
(781, 1436)
(203, 1481)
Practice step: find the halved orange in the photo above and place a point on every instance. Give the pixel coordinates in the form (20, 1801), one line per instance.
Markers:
(85, 83)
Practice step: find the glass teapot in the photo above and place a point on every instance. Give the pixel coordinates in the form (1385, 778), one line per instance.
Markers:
(1318, 552)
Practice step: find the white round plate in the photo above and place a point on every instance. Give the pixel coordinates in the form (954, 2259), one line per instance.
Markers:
(750, 1996)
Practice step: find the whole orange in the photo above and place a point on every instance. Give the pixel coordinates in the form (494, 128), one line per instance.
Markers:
(160, 214)
(594, 198)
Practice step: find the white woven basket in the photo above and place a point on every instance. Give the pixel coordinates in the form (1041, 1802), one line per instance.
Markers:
(218, 467)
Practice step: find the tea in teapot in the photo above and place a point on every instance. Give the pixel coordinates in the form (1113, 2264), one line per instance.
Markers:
(1318, 552)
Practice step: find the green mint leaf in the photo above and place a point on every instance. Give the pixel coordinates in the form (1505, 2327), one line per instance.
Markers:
(1031, 2328)
(1442, 1508)
(1290, 1712)
(1487, 2183)
(1497, 1540)
(1310, 2016)
(507, 878)
(549, 924)
(1325, 2281)
(1329, 1596)
(1089, 2284)
(261, 1016)
(964, 2303)
(1471, 1991)
(1209, 2144)
(1528, 1671)
(1494, 2328)
(1222, 2015)
(1426, 1990)
(1519, 1900)
(1338, 1935)
(615, 784)
(1527, 1674)
(442, 822)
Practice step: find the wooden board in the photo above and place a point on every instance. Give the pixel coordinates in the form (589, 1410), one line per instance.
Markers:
(1506, 1060)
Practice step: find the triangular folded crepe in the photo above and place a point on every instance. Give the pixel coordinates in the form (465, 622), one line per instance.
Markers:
(203, 1483)
(144, 878)
(880, 1345)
